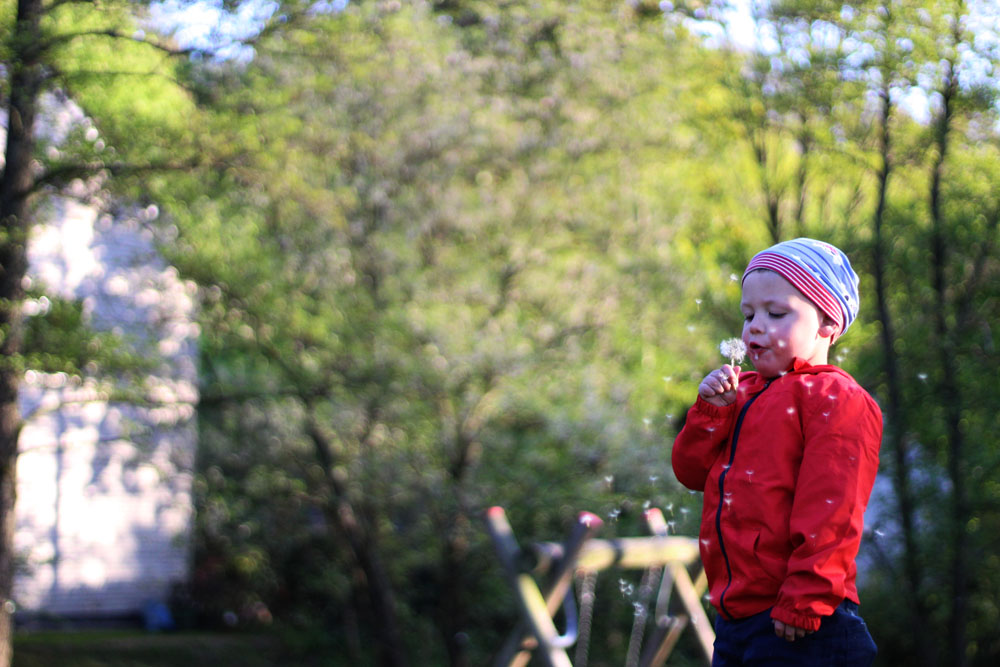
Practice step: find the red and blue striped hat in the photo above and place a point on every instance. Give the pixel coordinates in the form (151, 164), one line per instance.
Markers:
(820, 271)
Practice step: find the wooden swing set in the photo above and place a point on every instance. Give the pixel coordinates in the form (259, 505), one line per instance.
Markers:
(667, 564)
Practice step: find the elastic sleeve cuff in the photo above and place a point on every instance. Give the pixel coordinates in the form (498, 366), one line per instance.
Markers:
(713, 411)
(795, 619)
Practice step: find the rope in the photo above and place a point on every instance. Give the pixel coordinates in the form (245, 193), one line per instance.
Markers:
(641, 606)
(586, 596)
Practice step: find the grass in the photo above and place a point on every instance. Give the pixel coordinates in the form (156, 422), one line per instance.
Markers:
(141, 649)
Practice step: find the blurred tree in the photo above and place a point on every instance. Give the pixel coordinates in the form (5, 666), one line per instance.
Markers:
(443, 257)
(93, 54)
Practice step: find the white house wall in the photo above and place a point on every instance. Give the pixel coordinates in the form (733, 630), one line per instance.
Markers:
(104, 487)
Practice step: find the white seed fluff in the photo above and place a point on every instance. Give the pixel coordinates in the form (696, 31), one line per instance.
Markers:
(733, 349)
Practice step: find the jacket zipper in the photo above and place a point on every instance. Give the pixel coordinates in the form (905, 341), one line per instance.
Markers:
(722, 496)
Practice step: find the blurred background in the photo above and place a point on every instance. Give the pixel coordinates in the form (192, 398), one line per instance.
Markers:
(293, 291)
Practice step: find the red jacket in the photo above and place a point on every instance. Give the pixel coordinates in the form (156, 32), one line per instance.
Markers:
(786, 471)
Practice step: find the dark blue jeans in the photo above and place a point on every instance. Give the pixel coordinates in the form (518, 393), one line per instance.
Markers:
(841, 641)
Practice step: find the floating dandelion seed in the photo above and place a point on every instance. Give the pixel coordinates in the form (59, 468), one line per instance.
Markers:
(734, 350)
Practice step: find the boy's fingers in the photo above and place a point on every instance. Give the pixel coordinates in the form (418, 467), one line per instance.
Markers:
(789, 632)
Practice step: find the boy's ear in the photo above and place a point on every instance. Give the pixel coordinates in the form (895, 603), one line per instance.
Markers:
(827, 327)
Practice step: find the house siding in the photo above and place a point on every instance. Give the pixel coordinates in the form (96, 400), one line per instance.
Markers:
(104, 486)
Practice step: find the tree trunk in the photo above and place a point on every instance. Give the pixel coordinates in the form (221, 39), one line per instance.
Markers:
(950, 391)
(360, 539)
(25, 81)
(894, 405)
(454, 611)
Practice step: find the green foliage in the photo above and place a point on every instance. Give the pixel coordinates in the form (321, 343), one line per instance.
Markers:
(58, 339)
(471, 253)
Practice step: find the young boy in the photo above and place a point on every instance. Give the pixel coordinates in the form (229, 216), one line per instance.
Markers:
(786, 457)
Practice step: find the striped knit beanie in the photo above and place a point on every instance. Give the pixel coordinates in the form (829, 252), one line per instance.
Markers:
(820, 271)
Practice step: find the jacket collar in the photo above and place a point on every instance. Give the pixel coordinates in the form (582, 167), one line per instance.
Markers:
(754, 382)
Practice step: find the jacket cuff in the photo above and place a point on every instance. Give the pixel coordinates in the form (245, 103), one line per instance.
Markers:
(713, 411)
(795, 619)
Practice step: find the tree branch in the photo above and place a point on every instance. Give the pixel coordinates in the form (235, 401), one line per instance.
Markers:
(60, 175)
(111, 33)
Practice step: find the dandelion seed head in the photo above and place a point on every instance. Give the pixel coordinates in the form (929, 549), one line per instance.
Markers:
(733, 349)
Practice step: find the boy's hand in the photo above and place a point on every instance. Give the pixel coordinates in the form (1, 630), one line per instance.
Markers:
(789, 632)
(719, 386)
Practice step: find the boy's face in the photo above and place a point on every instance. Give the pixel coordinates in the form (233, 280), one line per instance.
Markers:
(780, 323)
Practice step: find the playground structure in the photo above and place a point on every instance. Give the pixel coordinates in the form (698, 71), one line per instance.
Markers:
(667, 564)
